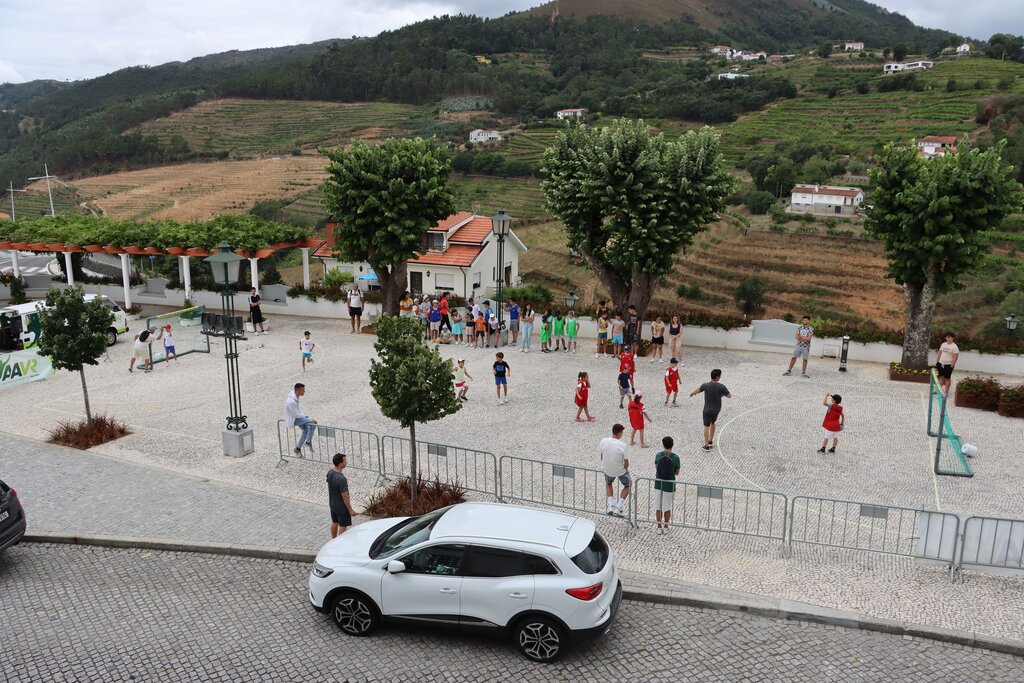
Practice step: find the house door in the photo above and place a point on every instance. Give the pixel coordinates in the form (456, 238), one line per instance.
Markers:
(839, 209)
(415, 282)
(508, 275)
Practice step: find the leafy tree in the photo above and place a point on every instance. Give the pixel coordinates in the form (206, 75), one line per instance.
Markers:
(932, 215)
(759, 202)
(886, 52)
(1005, 46)
(632, 201)
(410, 381)
(750, 295)
(899, 53)
(825, 50)
(73, 332)
(386, 198)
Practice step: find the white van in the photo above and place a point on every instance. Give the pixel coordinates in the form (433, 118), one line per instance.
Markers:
(19, 325)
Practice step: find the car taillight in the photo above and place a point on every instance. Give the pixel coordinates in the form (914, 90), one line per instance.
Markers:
(588, 593)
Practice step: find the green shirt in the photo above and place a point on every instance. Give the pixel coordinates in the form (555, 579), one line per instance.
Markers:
(660, 485)
(559, 326)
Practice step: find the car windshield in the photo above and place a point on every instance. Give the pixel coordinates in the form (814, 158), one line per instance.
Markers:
(593, 557)
(405, 534)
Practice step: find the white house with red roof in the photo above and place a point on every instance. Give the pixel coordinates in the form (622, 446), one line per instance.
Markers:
(853, 46)
(563, 114)
(460, 255)
(721, 50)
(826, 199)
(936, 145)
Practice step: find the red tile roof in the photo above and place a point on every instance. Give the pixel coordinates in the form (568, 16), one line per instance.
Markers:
(457, 255)
(940, 139)
(825, 189)
(474, 232)
(448, 223)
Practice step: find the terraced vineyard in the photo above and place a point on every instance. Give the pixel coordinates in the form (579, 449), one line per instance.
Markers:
(248, 128)
(522, 199)
(529, 145)
(35, 203)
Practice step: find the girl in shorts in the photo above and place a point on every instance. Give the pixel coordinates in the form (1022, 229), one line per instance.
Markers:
(456, 319)
(602, 334)
(572, 328)
(583, 398)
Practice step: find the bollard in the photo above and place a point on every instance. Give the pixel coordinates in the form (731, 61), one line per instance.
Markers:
(843, 355)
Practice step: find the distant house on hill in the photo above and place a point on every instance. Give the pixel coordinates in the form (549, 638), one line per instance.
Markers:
(896, 67)
(459, 255)
(721, 50)
(731, 76)
(482, 59)
(826, 200)
(479, 135)
(563, 114)
(4, 217)
(936, 145)
(963, 49)
(854, 46)
(774, 59)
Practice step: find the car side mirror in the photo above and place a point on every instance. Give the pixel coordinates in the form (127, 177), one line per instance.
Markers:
(396, 567)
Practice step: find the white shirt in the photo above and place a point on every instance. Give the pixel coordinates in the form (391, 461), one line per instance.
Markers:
(613, 456)
(355, 299)
(292, 410)
(307, 345)
(476, 310)
(946, 351)
(168, 339)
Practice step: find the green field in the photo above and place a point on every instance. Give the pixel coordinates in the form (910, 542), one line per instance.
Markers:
(34, 204)
(529, 145)
(247, 128)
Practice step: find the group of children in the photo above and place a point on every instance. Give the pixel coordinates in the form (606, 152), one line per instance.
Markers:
(558, 333)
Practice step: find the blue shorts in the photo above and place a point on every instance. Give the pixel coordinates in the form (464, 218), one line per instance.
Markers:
(307, 355)
(169, 349)
(602, 335)
(501, 380)
(617, 339)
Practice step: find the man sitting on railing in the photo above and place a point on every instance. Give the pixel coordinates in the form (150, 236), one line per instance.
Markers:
(295, 416)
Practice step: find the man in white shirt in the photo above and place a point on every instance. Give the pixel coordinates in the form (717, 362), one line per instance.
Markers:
(295, 416)
(949, 353)
(355, 309)
(616, 466)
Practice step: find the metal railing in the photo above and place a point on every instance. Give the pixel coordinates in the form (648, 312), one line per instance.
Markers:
(869, 527)
(746, 512)
(472, 469)
(991, 542)
(362, 448)
(556, 485)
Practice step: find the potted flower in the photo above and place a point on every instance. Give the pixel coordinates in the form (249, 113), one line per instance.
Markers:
(898, 373)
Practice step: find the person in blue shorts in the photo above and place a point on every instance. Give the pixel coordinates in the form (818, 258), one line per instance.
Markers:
(501, 374)
(306, 346)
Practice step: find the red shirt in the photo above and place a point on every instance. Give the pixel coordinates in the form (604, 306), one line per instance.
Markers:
(626, 362)
(444, 306)
(583, 393)
(831, 422)
(672, 379)
(636, 415)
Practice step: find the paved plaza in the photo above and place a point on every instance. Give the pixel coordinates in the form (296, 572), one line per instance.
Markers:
(85, 614)
(769, 433)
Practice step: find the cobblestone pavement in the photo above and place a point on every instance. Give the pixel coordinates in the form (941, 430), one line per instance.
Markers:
(86, 614)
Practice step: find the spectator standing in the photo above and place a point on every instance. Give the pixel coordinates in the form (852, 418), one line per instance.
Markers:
(675, 337)
(616, 466)
(582, 398)
(545, 332)
(672, 381)
(834, 421)
(445, 312)
(666, 469)
(456, 319)
(602, 309)
(528, 318)
(474, 307)
(493, 330)
(479, 330)
(434, 319)
(618, 328)
(295, 416)
(256, 312)
(513, 321)
(945, 363)
(602, 335)
(169, 350)
(713, 392)
(502, 371)
(337, 496)
(558, 333)
(803, 345)
(572, 329)
(407, 306)
(355, 309)
(461, 373)
(633, 327)
(638, 416)
(657, 341)
(423, 310)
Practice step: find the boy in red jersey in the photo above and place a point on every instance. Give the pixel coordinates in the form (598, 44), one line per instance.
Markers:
(627, 362)
(834, 421)
(583, 398)
(672, 381)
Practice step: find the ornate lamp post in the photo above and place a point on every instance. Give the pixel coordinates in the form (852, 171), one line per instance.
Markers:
(501, 226)
(237, 435)
(1011, 323)
(570, 301)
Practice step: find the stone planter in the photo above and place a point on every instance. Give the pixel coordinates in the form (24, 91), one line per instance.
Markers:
(915, 377)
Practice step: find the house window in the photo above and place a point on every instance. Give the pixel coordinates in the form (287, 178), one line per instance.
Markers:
(476, 280)
(444, 281)
(433, 241)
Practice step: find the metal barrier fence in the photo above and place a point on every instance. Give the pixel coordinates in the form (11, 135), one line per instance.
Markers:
(745, 512)
(362, 448)
(556, 485)
(474, 470)
(874, 528)
(992, 542)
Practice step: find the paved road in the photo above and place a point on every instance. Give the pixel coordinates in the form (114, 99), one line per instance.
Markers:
(74, 613)
(30, 263)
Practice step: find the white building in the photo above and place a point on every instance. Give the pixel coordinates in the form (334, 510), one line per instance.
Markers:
(721, 50)
(825, 199)
(936, 145)
(896, 67)
(963, 49)
(731, 76)
(479, 135)
(563, 114)
(853, 46)
(460, 255)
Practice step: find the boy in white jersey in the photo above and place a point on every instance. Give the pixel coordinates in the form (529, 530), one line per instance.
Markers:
(306, 346)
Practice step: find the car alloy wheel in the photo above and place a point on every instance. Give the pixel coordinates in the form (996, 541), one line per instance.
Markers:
(354, 615)
(539, 639)
(111, 337)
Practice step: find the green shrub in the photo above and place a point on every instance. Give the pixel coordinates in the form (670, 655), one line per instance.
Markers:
(982, 393)
(750, 294)
(335, 278)
(777, 227)
(693, 291)
(759, 202)
(681, 290)
(778, 213)
(1011, 403)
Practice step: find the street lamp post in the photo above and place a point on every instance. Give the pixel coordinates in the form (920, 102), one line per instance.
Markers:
(237, 434)
(570, 301)
(501, 226)
(1011, 323)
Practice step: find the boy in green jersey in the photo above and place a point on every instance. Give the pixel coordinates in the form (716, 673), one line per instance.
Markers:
(559, 332)
(572, 328)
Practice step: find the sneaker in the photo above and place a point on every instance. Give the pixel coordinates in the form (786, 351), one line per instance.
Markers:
(651, 360)
(611, 509)
(832, 450)
(659, 531)
(618, 512)
(707, 447)
(298, 453)
(787, 373)
(526, 350)
(580, 419)
(574, 350)
(309, 445)
(805, 376)
(821, 450)
(591, 418)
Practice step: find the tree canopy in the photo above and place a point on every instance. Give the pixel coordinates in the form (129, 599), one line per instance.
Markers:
(632, 201)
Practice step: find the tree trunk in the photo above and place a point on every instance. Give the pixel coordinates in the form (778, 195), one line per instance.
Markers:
(412, 462)
(641, 292)
(637, 291)
(85, 393)
(393, 280)
(920, 300)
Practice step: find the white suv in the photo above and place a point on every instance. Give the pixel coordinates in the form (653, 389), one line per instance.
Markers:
(547, 577)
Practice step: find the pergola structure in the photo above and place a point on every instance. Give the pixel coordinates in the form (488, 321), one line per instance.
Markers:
(183, 254)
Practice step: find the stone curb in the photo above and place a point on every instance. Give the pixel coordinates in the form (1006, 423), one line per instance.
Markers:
(696, 596)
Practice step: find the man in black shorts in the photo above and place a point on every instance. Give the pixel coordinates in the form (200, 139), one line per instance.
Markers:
(255, 312)
(337, 489)
(713, 392)
(355, 309)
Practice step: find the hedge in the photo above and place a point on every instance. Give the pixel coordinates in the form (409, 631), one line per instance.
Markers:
(871, 333)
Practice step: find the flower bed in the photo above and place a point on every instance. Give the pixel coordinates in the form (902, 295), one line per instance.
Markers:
(898, 373)
(1011, 403)
(982, 393)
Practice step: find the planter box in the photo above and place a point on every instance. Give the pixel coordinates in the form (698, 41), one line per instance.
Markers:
(909, 377)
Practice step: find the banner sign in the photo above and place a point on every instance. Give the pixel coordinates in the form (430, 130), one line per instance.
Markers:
(21, 367)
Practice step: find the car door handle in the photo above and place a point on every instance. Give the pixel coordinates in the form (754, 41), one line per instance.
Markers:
(518, 596)
(447, 591)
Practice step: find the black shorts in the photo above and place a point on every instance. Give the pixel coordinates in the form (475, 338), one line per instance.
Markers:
(945, 371)
(710, 418)
(257, 316)
(341, 517)
(354, 312)
(657, 340)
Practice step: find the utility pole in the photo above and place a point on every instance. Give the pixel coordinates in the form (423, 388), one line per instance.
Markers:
(46, 170)
(11, 191)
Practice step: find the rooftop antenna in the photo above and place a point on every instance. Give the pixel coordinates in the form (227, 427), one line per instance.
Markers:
(47, 177)
(11, 191)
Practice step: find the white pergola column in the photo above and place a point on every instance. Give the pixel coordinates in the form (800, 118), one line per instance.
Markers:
(305, 267)
(254, 273)
(186, 276)
(14, 263)
(126, 280)
(67, 265)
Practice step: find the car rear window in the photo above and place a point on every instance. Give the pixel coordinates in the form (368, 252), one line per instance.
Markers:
(594, 557)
